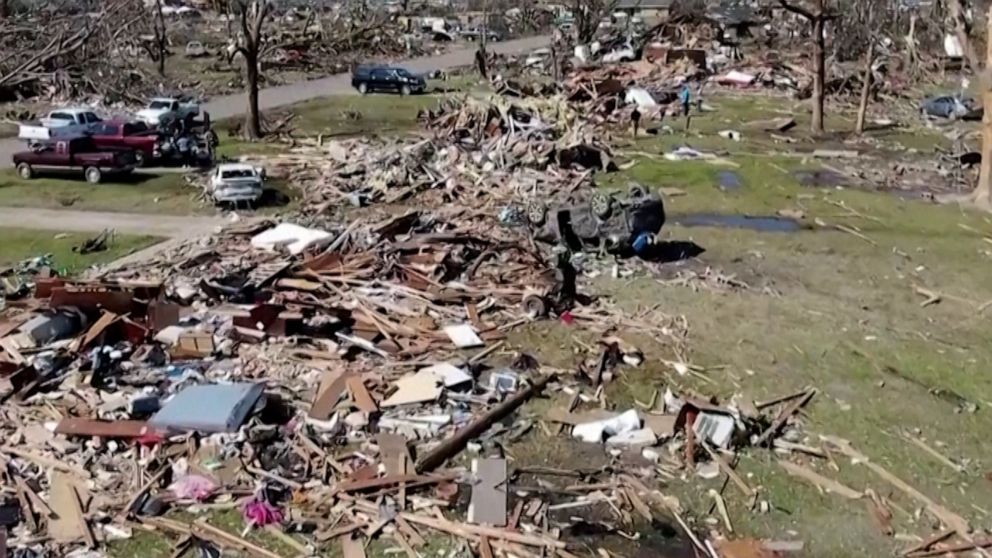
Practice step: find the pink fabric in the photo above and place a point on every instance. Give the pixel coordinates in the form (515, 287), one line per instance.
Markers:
(261, 513)
(193, 487)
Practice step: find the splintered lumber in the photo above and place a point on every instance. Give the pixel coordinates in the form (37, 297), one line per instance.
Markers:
(954, 549)
(457, 442)
(928, 542)
(472, 532)
(204, 530)
(819, 480)
(783, 417)
(407, 480)
(949, 518)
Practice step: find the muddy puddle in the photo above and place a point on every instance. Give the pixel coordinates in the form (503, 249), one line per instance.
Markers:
(729, 181)
(767, 223)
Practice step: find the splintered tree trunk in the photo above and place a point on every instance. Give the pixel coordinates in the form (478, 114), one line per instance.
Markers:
(4, 9)
(983, 192)
(253, 125)
(859, 127)
(820, 71)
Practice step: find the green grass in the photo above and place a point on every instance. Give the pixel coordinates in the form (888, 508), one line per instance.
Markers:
(166, 193)
(17, 245)
(136, 193)
(824, 309)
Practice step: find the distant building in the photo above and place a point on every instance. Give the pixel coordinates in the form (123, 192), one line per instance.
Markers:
(646, 9)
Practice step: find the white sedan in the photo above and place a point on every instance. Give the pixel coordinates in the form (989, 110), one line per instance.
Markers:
(236, 183)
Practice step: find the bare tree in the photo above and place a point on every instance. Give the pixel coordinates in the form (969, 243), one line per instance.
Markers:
(158, 50)
(252, 15)
(982, 195)
(817, 16)
(588, 14)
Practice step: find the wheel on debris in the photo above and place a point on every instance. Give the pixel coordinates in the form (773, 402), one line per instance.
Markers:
(602, 205)
(363, 88)
(534, 305)
(537, 213)
(93, 175)
(636, 191)
(405, 90)
(25, 171)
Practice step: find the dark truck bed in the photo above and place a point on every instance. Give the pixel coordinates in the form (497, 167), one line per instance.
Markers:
(77, 155)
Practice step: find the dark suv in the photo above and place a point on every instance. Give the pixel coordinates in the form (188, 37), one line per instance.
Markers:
(367, 79)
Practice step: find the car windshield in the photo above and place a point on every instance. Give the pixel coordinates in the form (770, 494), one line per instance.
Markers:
(160, 104)
(403, 73)
(240, 173)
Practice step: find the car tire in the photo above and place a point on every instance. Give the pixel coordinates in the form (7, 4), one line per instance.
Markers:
(93, 175)
(25, 171)
(363, 88)
(405, 90)
(139, 159)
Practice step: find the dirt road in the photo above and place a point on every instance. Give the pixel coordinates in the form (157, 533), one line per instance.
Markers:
(232, 105)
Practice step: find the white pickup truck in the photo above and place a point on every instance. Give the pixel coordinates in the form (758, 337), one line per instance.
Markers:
(60, 124)
(163, 109)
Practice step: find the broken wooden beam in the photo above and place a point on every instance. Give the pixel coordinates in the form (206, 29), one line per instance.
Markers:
(457, 442)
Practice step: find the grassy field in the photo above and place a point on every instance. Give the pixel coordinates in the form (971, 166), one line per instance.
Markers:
(137, 193)
(819, 307)
(17, 245)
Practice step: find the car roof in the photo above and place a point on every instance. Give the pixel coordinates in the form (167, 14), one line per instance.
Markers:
(235, 167)
(73, 110)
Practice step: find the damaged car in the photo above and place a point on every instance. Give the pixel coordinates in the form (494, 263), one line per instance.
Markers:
(609, 223)
(235, 184)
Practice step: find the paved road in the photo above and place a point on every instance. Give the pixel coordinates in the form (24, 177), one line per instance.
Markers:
(232, 105)
(172, 226)
(222, 107)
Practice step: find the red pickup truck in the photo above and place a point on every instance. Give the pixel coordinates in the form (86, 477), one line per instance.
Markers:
(145, 142)
(74, 155)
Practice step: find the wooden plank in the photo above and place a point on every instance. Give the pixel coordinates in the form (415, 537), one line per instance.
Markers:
(96, 330)
(68, 525)
(409, 480)
(485, 549)
(819, 480)
(395, 455)
(779, 422)
(360, 395)
(351, 548)
(74, 426)
(488, 505)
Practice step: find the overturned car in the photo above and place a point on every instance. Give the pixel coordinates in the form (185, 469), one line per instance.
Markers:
(620, 226)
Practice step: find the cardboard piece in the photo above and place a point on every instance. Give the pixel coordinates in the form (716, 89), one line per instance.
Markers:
(395, 455)
(414, 388)
(327, 397)
(488, 505)
(67, 501)
(194, 344)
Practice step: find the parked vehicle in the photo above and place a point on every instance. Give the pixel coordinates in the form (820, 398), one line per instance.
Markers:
(63, 123)
(74, 156)
(368, 79)
(475, 34)
(235, 183)
(163, 109)
(146, 142)
(195, 49)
